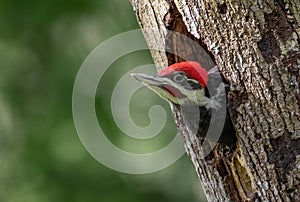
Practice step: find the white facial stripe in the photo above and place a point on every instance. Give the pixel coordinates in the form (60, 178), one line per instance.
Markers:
(196, 96)
(193, 80)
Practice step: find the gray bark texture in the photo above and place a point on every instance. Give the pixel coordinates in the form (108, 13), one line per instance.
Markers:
(256, 46)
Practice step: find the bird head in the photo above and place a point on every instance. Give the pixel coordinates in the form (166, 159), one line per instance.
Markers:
(179, 83)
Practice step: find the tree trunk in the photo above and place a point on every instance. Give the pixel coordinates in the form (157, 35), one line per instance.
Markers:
(256, 46)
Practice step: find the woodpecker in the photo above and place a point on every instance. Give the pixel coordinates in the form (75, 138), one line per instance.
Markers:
(201, 96)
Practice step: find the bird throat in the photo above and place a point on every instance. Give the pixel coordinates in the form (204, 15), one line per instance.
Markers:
(184, 96)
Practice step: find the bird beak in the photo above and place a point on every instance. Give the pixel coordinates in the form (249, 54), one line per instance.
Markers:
(161, 86)
(149, 80)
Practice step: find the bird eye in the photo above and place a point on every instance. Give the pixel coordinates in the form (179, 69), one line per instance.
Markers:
(179, 77)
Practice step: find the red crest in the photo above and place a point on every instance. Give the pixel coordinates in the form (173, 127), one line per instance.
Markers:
(192, 69)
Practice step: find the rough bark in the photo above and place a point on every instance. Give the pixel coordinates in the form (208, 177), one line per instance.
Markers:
(256, 46)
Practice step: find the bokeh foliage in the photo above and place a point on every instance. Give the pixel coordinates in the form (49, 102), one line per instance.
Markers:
(42, 45)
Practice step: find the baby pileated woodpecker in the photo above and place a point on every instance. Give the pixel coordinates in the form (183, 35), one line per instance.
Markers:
(201, 96)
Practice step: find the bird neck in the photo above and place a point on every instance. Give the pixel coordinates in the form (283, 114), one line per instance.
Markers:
(199, 98)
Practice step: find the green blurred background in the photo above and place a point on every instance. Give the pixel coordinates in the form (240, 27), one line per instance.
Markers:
(42, 45)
